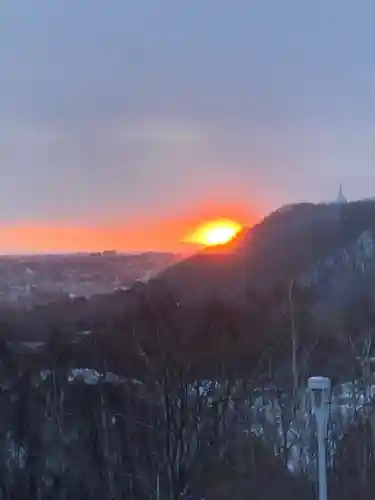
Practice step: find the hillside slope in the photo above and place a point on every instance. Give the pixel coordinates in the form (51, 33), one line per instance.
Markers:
(283, 246)
(327, 250)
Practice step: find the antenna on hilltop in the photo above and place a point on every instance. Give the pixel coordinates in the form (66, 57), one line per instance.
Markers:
(341, 198)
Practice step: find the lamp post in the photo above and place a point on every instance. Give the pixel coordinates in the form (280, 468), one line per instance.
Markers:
(320, 393)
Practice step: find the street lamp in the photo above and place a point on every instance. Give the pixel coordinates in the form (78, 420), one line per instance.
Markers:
(320, 392)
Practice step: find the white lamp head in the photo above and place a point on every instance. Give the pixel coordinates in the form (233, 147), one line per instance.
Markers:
(320, 390)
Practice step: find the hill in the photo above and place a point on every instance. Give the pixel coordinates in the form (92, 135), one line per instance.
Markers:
(284, 245)
(311, 266)
(308, 268)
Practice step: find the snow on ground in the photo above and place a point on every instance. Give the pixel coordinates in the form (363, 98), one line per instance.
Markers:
(268, 414)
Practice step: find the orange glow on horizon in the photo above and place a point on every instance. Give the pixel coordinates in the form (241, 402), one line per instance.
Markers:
(130, 235)
(214, 232)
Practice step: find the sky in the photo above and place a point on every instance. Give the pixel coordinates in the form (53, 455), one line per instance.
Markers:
(124, 122)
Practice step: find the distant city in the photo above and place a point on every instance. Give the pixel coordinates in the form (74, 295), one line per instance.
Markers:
(34, 280)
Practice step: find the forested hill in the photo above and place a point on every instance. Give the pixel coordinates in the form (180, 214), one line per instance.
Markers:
(326, 251)
(284, 245)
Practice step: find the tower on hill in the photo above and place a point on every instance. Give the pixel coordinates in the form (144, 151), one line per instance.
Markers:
(341, 198)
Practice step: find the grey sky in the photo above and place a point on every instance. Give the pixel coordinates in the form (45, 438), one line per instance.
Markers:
(128, 107)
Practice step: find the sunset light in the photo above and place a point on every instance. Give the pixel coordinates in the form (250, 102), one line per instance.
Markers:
(215, 232)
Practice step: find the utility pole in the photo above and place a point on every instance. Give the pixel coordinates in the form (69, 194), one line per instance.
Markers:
(320, 392)
(294, 342)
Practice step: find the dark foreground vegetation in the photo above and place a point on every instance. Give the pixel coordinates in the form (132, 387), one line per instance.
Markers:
(164, 416)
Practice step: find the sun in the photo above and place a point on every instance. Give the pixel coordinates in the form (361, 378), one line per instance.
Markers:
(214, 232)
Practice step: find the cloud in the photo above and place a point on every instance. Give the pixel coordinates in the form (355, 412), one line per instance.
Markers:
(162, 132)
(100, 170)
